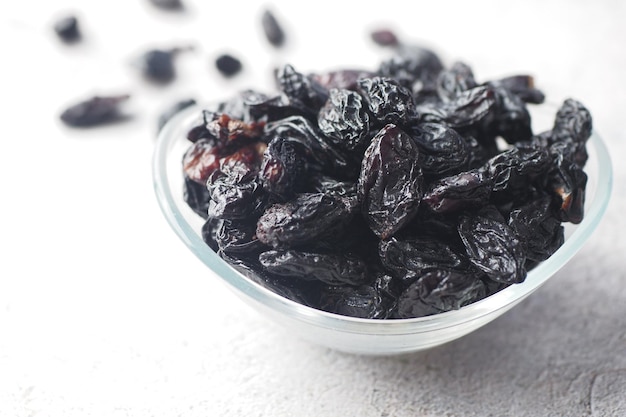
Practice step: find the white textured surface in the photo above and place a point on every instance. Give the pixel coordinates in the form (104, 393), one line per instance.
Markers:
(103, 312)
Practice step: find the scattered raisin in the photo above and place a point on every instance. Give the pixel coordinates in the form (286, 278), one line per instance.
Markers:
(158, 65)
(67, 29)
(384, 37)
(272, 29)
(94, 111)
(168, 5)
(228, 65)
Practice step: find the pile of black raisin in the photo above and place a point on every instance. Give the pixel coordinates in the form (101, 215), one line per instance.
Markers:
(399, 192)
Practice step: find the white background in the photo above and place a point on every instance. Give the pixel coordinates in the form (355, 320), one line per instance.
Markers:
(104, 312)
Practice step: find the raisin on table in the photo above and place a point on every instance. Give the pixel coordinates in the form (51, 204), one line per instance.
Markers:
(169, 5)
(158, 65)
(273, 31)
(228, 65)
(94, 111)
(384, 37)
(68, 29)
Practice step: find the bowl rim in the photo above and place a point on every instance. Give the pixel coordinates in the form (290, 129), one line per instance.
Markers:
(538, 276)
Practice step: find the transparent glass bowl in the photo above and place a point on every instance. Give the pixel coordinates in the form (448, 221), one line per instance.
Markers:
(368, 336)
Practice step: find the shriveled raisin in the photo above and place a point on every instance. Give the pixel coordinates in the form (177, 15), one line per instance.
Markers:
(390, 184)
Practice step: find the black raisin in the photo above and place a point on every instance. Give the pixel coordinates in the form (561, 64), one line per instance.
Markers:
(301, 220)
(94, 111)
(494, 248)
(67, 29)
(384, 37)
(333, 269)
(390, 183)
(169, 5)
(439, 290)
(228, 65)
(273, 31)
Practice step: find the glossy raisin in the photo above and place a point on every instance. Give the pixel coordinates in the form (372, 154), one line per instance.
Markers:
(235, 190)
(321, 154)
(439, 290)
(408, 258)
(516, 167)
(494, 248)
(368, 301)
(465, 190)
(509, 118)
(332, 269)
(298, 290)
(465, 110)
(567, 182)
(302, 89)
(387, 100)
(454, 80)
(414, 66)
(442, 150)
(283, 168)
(238, 236)
(344, 119)
(537, 228)
(522, 86)
(390, 183)
(301, 220)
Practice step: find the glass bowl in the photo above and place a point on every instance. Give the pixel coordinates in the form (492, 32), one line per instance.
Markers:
(369, 336)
